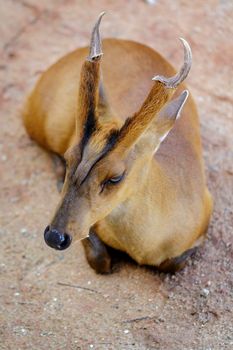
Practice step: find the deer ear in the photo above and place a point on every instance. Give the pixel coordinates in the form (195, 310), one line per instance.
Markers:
(141, 124)
(167, 117)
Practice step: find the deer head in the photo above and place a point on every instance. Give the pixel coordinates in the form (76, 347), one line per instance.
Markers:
(109, 159)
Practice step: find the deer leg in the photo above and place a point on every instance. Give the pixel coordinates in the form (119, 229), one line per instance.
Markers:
(97, 254)
(60, 170)
(175, 264)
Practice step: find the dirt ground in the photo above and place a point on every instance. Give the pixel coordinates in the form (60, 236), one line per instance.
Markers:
(53, 300)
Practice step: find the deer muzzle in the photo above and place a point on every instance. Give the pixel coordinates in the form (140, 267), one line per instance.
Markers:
(56, 239)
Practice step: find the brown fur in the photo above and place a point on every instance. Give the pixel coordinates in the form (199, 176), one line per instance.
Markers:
(162, 206)
(87, 102)
(135, 125)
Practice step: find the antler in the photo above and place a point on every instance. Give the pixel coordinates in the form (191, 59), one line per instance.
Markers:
(95, 52)
(159, 95)
(173, 82)
(87, 116)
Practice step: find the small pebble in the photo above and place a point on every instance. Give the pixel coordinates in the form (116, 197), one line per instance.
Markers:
(126, 331)
(23, 230)
(23, 330)
(205, 292)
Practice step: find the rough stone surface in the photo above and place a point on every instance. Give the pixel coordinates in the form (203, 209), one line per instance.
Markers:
(43, 303)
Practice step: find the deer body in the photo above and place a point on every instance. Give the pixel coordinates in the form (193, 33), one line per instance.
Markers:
(166, 205)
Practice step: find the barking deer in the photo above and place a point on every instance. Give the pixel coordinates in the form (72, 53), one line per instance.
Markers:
(134, 177)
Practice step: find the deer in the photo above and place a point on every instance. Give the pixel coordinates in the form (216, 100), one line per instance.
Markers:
(129, 150)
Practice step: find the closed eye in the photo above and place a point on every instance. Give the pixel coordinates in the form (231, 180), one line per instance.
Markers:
(116, 179)
(113, 181)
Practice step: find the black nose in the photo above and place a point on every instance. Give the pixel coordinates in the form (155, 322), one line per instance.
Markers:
(57, 240)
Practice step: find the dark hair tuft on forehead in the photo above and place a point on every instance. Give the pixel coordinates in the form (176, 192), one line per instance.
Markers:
(89, 128)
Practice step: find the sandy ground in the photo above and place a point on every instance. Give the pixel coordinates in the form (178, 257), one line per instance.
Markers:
(53, 300)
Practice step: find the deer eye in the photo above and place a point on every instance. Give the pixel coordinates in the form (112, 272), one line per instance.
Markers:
(112, 181)
(115, 180)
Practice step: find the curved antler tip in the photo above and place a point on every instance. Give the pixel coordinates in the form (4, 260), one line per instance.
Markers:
(182, 39)
(96, 27)
(173, 82)
(187, 47)
(184, 42)
(95, 46)
(102, 14)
